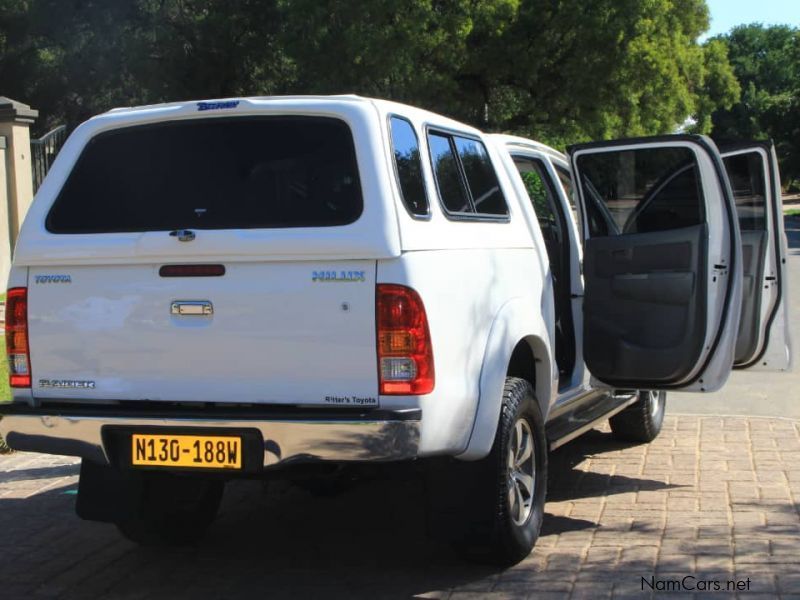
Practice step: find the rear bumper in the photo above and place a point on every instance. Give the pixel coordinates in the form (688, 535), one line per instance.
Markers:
(289, 437)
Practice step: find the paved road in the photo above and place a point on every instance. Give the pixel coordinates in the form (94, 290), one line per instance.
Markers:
(758, 393)
(711, 499)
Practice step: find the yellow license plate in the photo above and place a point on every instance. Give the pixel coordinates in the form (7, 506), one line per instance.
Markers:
(201, 451)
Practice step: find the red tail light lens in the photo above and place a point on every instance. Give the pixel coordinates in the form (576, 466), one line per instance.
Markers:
(405, 355)
(19, 357)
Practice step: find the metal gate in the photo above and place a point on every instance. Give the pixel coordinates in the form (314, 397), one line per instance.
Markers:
(43, 152)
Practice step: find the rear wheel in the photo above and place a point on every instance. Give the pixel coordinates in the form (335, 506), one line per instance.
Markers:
(496, 504)
(172, 510)
(642, 420)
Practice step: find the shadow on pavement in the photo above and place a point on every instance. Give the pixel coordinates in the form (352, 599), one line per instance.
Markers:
(273, 539)
(569, 483)
(40, 473)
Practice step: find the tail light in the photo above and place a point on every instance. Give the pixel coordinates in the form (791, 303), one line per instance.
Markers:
(19, 356)
(405, 355)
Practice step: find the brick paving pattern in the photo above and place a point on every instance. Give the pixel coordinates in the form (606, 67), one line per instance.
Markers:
(713, 498)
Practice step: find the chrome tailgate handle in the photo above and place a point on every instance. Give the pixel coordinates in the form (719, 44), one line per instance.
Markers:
(200, 308)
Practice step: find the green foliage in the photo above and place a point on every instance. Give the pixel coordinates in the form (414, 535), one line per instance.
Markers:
(537, 192)
(766, 61)
(5, 396)
(558, 70)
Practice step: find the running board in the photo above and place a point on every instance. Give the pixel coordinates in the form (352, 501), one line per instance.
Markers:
(570, 425)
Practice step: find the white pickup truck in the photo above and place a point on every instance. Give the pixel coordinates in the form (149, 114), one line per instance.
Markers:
(242, 288)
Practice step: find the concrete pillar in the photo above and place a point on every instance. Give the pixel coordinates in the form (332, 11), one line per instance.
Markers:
(16, 175)
(5, 229)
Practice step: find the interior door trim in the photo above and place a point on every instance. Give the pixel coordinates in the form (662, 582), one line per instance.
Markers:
(779, 260)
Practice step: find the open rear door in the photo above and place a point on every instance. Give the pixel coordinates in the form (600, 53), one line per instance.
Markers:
(662, 262)
(763, 341)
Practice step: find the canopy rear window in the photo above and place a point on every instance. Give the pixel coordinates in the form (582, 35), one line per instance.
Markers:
(231, 173)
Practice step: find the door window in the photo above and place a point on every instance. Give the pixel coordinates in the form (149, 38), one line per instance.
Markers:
(448, 178)
(408, 166)
(467, 182)
(641, 191)
(481, 178)
(746, 172)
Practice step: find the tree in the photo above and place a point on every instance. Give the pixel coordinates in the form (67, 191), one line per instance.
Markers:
(558, 70)
(75, 58)
(766, 61)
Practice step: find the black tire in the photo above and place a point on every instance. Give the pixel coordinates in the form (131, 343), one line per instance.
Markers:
(474, 498)
(172, 510)
(642, 420)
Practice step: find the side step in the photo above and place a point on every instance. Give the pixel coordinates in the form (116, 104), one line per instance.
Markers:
(570, 425)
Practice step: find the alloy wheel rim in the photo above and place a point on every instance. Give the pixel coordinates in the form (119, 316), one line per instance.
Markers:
(655, 402)
(521, 472)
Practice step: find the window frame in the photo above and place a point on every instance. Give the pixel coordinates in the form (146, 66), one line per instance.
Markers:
(427, 216)
(464, 216)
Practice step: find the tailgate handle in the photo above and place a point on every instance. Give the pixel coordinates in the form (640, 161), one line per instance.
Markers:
(200, 308)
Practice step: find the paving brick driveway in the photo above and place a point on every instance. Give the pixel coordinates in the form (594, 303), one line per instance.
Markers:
(714, 498)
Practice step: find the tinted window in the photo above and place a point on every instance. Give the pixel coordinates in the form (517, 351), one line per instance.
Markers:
(409, 166)
(636, 191)
(213, 174)
(746, 173)
(446, 170)
(481, 178)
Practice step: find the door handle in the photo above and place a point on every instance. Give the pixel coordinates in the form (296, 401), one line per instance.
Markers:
(622, 254)
(199, 308)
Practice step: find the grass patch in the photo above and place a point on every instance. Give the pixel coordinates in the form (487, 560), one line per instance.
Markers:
(792, 212)
(5, 391)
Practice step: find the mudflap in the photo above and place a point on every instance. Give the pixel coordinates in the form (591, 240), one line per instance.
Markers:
(107, 494)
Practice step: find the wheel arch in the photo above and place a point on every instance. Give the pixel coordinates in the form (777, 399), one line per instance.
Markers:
(518, 345)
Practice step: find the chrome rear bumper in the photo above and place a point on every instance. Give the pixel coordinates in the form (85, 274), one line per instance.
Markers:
(370, 436)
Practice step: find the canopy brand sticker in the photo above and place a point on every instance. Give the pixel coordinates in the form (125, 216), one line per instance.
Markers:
(217, 105)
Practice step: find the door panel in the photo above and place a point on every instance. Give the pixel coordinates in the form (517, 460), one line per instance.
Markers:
(662, 263)
(628, 280)
(763, 341)
(753, 251)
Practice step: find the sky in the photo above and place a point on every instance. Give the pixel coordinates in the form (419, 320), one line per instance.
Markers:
(727, 14)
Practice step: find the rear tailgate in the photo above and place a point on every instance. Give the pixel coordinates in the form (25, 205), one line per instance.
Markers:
(272, 332)
(286, 195)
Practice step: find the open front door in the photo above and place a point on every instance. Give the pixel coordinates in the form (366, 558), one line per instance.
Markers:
(662, 262)
(763, 338)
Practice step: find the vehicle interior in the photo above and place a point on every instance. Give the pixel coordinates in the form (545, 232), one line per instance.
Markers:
(553, 224)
